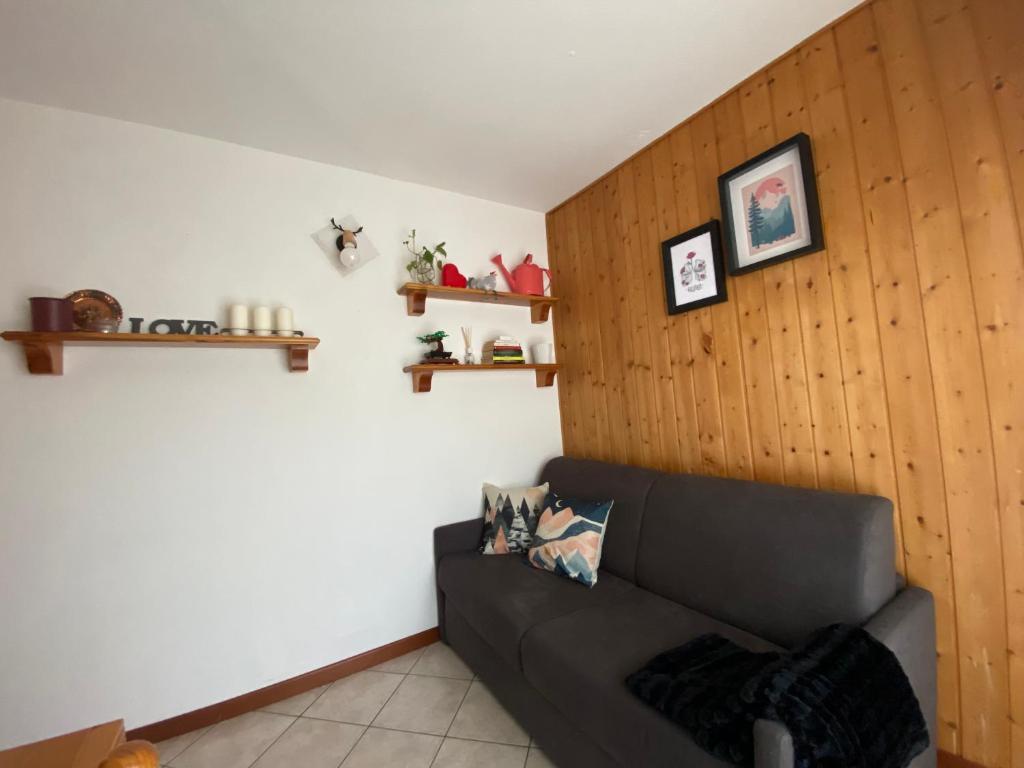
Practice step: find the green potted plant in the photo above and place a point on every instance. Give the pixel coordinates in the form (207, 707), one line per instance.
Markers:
(426, 261)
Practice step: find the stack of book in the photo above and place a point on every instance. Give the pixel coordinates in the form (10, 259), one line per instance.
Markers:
(504, 350)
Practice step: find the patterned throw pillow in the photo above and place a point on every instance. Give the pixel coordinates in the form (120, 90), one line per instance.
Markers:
(510, 518)
(569, 537)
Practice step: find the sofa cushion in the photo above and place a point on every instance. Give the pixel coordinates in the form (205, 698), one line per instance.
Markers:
(599, 481)
(580, 662)
(569, 536)
(779, 562)
(562, 740)
(510, 518)
(503, 597)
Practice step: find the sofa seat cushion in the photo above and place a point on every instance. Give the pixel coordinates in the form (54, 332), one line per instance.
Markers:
(579, 663)
(503, 597)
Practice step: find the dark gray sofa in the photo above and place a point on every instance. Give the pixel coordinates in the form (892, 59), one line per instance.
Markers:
(683, 555)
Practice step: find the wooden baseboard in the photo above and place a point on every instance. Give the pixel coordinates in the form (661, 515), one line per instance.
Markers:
(247, 702)
(946, 760)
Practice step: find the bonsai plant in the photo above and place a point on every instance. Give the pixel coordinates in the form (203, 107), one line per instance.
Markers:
(438, 353)
(425, 262)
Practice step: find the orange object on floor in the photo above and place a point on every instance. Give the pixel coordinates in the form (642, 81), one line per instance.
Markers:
(102, 746)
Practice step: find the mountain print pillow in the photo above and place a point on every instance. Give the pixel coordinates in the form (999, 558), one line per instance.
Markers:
(569, 537)
(510, 518)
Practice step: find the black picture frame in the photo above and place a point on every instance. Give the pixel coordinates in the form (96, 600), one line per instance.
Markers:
(672, 299)
(805, 212)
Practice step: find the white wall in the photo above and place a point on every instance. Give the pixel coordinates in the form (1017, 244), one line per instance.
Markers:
(180, 526)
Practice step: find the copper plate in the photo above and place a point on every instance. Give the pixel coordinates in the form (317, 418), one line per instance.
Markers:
(95, 311)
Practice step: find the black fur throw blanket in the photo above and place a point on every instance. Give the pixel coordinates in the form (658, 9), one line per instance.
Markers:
(843, 696)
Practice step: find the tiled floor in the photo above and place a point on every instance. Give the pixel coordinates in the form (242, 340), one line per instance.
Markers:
(423, 710)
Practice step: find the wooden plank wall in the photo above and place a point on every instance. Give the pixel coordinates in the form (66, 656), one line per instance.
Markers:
(889, 363)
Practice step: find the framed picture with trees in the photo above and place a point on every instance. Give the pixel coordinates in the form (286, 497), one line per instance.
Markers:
(770, 207)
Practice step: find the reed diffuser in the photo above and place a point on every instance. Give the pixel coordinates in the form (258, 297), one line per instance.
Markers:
(467, 338)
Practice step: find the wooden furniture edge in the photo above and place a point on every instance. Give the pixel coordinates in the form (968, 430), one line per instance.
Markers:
(247, 702)
(948, 760)
(97, 746)
(461, 367)
(423, 373)
(147, 339)
(44, 351)
(416, 295)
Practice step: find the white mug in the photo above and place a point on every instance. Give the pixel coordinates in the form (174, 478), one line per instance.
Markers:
(543, 354)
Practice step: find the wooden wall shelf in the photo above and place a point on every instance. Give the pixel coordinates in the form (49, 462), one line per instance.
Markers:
(423, 373)
(416, 295)
(44, 351)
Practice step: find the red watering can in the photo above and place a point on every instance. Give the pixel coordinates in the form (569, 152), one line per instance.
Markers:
(526, 278)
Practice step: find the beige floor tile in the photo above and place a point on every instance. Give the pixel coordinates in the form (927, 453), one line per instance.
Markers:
(537, 759)
(401, 665)
(423, 704)
(312, 744)
(392, 749)
(481, 717)
(296, 705)
(235, 743)
(457, 753)
(355, 699)
(440, 660)
(171, 748)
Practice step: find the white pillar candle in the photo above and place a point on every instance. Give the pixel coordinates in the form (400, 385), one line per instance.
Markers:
(238, 319)
(283, 321)
(261, 321)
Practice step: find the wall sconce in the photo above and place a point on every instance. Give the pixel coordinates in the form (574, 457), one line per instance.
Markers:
(348, 248)
(345, 242)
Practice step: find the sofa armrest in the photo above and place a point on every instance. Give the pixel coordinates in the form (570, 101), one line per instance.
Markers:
(455, 537)
(773, 745)
(906, 625)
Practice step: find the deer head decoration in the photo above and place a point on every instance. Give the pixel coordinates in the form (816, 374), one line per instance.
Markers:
(347, 244)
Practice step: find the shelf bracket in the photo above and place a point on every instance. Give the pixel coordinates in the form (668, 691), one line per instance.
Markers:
(539, 312)
(546, 377)
(298, 359)
(421, 381)
(44, 357)
(416, 303)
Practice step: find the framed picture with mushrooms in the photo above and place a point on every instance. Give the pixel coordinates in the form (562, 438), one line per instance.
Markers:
(770, 207)
(694, 276)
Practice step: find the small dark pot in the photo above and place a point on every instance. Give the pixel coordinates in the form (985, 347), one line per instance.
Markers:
(50, 314)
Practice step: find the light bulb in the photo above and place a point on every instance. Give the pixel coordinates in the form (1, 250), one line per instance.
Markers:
(348, 256)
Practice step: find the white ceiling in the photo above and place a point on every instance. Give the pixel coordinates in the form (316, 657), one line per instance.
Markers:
(519, 101)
